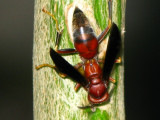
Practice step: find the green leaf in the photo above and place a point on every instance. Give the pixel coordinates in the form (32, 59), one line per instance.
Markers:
(97, 115)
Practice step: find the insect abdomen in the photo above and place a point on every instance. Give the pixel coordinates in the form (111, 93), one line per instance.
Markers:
(79, 19)
(85, 41)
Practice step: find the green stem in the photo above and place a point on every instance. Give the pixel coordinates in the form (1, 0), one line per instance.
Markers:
(54, 97)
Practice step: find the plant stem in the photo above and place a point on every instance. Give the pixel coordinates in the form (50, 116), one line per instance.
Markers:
(54, 97)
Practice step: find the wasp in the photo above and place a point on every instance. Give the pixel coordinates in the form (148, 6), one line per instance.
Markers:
(95, 79)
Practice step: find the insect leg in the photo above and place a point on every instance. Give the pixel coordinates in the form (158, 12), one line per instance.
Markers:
(101, 36)
(62, 51)
(112, 80)
(66, 51)
(45, 65)
(92, 107)
(50, 14)
(77, 66)
(77, 86)
(119, 60)
(59, 33)
(51, 66)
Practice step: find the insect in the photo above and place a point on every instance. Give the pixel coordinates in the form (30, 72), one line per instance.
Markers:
(95, 79)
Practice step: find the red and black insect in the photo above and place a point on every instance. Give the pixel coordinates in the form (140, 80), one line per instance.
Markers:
(95, 79)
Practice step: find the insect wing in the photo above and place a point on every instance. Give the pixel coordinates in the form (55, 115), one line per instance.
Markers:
(113, 48)
(66, 68)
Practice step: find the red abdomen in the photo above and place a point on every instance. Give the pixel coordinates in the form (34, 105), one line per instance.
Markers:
(86, 45)
(85, 40)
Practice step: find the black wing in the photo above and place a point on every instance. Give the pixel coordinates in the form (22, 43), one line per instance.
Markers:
(66, 68)
(113, 47)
